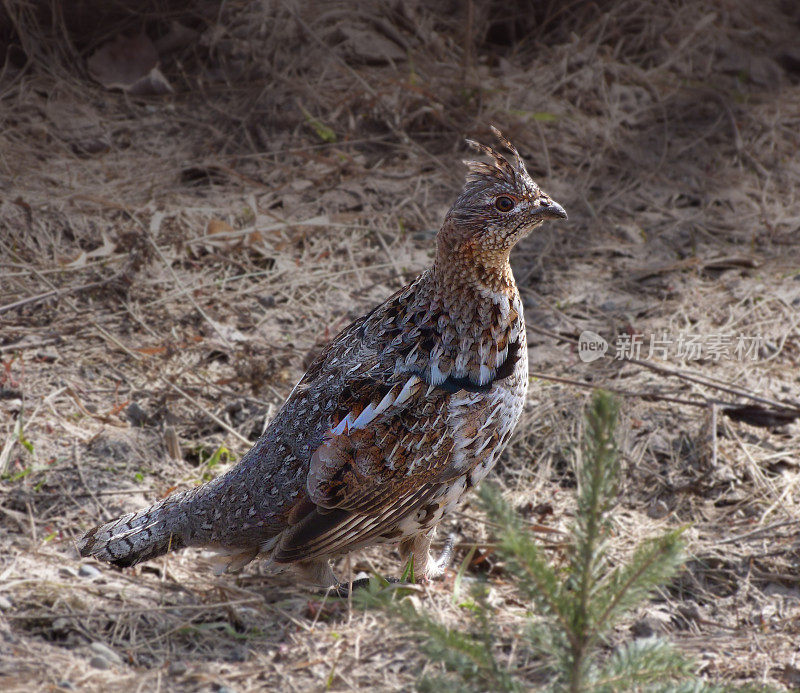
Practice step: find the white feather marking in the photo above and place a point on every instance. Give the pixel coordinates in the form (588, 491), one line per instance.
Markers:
(466, 400)
(367, 415)
(437, 377)
(411, 359)
(269, 544)
(501, 357)
(385, 403)
(405, 393)
(454, 495)
(390, 458)
(462, 443)
(499, 299)
(483, 445)
(341, 427)
(493, 413)
(485, 375)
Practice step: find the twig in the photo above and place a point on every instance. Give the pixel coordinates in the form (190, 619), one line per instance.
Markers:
(664, 370)
(713, 436)
(395, 266)
(111, 338)
(146, 610)
(45, 495)
(5, 454)
(236, 233)
(209, 414)
(105, 418)
(94, 323)
(649, 396)
(19, 346)
(756, 532)
(76, 458)
(55, 292)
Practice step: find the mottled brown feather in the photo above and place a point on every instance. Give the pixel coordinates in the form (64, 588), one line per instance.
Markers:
(404, 411)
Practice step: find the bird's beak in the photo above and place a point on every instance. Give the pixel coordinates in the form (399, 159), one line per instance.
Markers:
(552, 211)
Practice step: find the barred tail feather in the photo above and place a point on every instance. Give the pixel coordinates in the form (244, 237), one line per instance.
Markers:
(142, 535)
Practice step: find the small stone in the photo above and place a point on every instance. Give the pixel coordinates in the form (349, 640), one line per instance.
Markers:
(67, 571)
(177, 669)
(5, 603)
(60, 625)
(644, 628)
(66, 685)
(136, 415)
(12, 405)
(657, 510)
(99, 662)
(89, 571)
(48, 355)
(104, 650)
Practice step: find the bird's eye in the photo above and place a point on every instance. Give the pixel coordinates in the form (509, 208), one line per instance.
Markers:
(504, 203)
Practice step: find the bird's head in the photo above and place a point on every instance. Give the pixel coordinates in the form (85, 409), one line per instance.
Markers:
(499, 205)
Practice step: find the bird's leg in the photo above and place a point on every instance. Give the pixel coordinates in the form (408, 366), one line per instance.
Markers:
(437, 566)
(317, 571)
(344, 589)
(416, 549)
(419, 547)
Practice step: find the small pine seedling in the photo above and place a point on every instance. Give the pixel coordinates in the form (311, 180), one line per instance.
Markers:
(564, 645)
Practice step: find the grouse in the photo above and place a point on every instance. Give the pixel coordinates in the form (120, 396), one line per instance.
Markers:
(403, 412)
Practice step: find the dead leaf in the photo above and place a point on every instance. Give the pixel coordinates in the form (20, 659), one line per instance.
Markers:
(104, 250)
(79, 261)
(218, 226)
(229, 332)
(370, 47)
(130, 64)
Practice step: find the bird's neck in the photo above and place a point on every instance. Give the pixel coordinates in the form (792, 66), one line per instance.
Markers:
(464, 265)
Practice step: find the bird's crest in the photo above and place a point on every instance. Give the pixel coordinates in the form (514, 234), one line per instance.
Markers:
(515, 175)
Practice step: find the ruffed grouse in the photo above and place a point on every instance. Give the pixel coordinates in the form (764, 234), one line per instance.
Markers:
(401, 414)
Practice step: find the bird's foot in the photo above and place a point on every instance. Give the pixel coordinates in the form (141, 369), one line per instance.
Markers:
(436, 567)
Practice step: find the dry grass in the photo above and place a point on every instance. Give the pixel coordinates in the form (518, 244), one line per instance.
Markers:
(169, 264)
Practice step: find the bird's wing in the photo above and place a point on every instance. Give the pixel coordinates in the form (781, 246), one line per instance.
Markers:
(382, 460)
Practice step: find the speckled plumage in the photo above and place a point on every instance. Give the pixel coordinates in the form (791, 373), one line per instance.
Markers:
(403, 412)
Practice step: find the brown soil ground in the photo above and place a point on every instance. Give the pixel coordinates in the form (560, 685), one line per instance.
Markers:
(170, 263)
